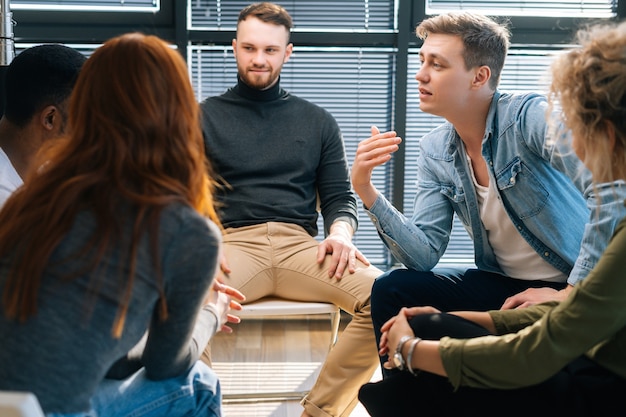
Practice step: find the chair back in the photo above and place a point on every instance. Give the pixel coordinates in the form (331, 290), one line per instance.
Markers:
(19, 404)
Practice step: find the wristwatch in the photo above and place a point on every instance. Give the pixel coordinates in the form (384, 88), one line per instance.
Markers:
(398, 360)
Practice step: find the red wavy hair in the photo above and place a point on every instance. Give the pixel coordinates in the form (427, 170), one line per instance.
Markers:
(133, 137)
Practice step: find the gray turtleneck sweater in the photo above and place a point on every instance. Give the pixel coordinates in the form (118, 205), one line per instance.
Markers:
(276, 152)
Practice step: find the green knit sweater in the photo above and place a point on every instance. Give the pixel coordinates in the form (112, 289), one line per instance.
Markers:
(538, 341)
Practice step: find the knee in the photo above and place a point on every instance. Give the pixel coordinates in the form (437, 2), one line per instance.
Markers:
(382, 297)
(203, 377)
(395, 289)
(205, 390)
(385, 285)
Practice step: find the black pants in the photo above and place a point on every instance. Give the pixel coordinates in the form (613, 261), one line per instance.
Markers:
(582, 388)
(447, 289)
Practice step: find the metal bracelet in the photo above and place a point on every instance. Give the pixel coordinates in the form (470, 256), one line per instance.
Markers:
(409, 358)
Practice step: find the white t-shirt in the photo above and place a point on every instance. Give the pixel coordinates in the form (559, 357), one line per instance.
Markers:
(9, 178)
(514, 255)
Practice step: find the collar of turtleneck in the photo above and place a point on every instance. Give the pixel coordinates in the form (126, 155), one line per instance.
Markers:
(245, 91)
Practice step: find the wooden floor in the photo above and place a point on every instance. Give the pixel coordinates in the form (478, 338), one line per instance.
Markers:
(264, 355)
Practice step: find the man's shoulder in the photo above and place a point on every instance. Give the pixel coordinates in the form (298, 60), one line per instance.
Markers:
(211, 100)
(528, 108)
(306, 103)
(438, 137)
(9, 178)
(299, 107)
(508, 101)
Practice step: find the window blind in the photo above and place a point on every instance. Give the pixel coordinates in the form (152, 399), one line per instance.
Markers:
(337, 15)
(88, 5)
(565, 8)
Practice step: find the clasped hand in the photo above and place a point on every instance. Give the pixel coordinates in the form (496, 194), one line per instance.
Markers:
(398, 326)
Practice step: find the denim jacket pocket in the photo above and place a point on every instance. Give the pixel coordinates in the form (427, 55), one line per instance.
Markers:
(456, 196)
(522, 189)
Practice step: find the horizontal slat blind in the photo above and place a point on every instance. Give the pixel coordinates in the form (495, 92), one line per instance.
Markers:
(355, 85)
(355, 15)
(565, 8)
(524, 70)
(85, 49)
(88, 5)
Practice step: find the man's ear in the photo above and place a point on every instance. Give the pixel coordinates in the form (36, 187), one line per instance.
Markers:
(288, 52)
(234, 44)
(481, 76)
(50, 116)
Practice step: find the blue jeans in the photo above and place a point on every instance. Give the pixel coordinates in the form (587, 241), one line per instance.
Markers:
(196, 393)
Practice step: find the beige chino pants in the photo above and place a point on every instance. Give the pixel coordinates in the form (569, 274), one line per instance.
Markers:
(279, 259)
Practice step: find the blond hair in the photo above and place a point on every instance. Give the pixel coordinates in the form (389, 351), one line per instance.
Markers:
(589, 84)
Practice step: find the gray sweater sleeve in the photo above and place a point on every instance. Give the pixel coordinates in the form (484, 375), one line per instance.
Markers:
(173, 345)
(206, 327)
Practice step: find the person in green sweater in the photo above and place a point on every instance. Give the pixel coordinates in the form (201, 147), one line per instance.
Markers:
(566, 357)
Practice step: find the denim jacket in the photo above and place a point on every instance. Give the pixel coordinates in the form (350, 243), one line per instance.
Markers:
(546, 191)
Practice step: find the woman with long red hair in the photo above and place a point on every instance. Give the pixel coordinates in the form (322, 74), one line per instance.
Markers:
(108, 252)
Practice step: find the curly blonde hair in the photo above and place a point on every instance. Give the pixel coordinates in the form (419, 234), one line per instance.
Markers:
(589, 84)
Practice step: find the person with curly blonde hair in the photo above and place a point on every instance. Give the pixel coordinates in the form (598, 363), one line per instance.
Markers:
(554, 358)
